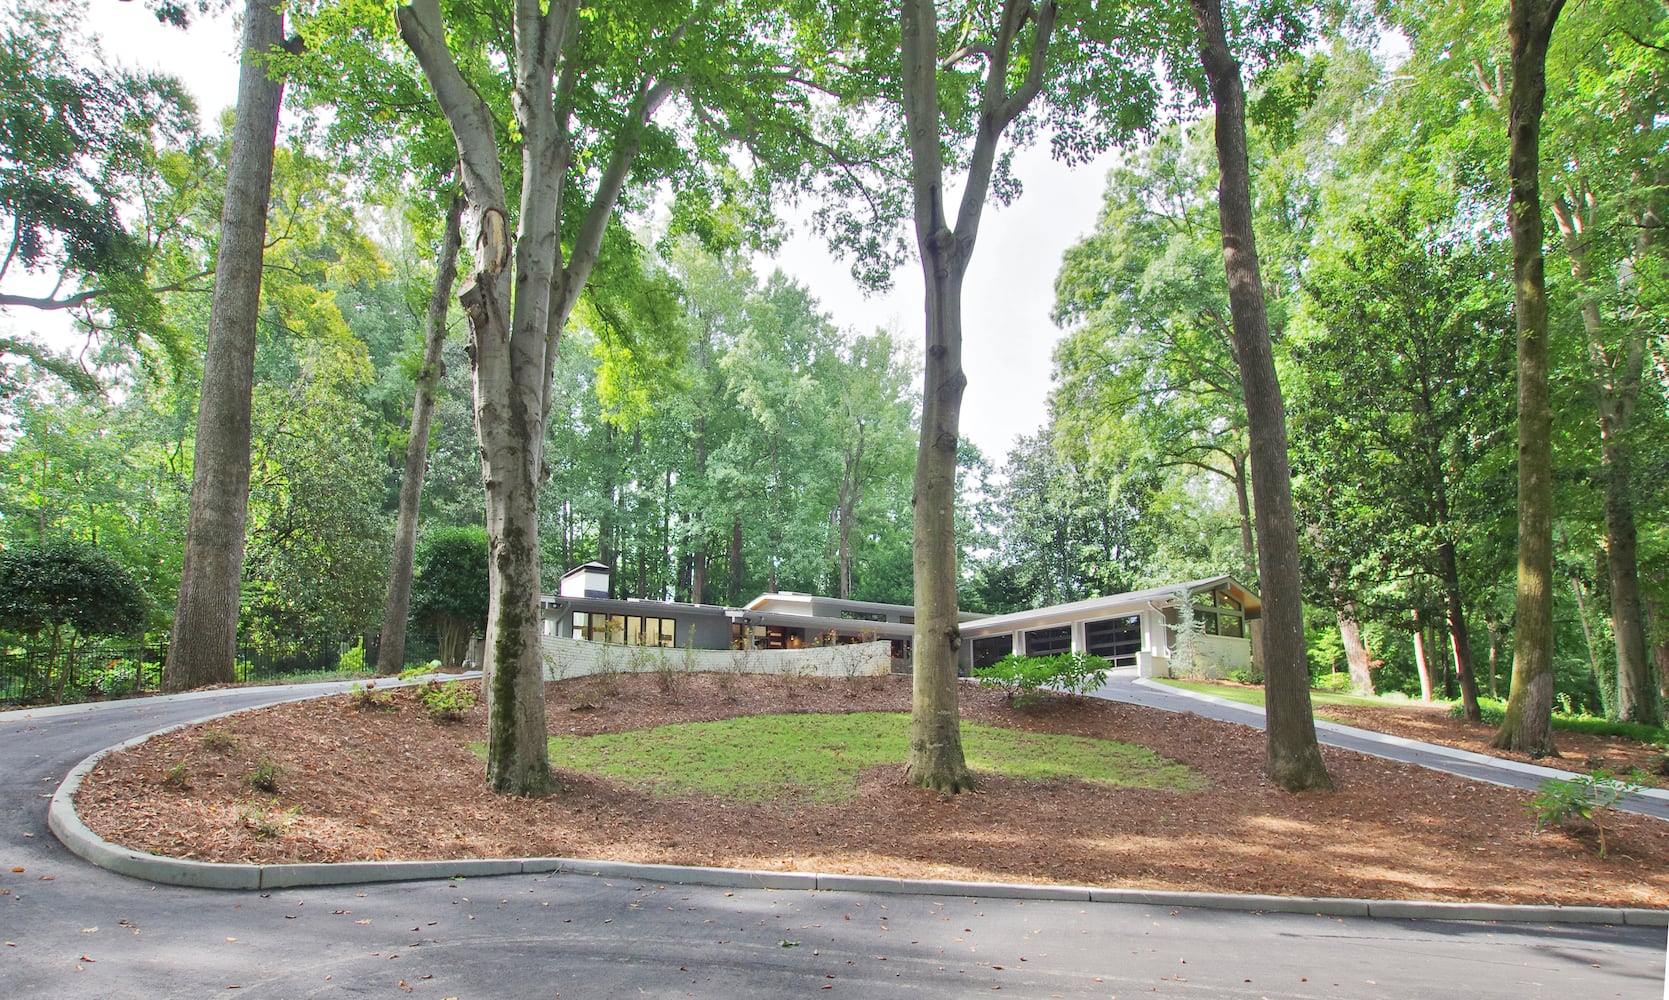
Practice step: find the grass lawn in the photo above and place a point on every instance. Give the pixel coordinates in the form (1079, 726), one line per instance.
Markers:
(818, 757)
(1253, 695)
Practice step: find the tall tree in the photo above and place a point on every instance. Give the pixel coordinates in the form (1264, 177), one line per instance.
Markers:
(203, 646)
(1020, 38)
(1293, 758)
(1528, 722)
(391, 644)
(968, 73)
(586, 87)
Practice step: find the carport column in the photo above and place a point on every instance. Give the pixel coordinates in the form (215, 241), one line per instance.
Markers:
(1018, 639)
(1079, 643)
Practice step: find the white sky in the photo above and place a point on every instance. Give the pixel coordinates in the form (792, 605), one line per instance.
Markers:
(1008, 337)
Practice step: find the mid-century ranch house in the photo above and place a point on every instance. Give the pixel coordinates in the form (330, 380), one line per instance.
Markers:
(1131, 630)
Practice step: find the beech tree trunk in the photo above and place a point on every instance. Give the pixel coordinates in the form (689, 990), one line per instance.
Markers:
(512, 343)
(1293, 758)
(946, 246)
(203, 648)
(391, 646)
(1355, 653)
(1528, 722)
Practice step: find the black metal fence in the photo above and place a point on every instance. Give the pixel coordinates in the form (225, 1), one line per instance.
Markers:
(31, 673)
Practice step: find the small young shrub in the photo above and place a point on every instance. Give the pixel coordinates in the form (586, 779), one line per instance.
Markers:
(263, 777)
(596, 690)
(178, 777)
(445, 702)
(266, 823)
(1588, 796)
(219, 740)
(366, 696)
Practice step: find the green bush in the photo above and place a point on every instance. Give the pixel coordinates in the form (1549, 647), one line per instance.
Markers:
(353, 661)
(1587, 796)
(445, 702)
(1338, 683)
(1022, 679)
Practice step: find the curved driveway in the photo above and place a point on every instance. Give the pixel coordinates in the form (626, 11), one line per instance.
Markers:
(68, 929)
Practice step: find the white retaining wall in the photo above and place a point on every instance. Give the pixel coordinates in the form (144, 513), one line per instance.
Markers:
(566, 658)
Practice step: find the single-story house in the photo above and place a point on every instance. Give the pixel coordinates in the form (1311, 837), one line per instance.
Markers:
(1139, 629)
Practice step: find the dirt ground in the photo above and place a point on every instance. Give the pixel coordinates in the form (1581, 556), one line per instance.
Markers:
(356, 783)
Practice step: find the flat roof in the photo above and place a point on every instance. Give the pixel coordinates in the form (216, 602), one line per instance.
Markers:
(1096, 607)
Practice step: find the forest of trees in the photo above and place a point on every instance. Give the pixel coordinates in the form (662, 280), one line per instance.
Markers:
(699, 422)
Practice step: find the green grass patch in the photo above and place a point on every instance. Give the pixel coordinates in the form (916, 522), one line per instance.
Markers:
(1494, 710)
(817, 758)
(1253, 695)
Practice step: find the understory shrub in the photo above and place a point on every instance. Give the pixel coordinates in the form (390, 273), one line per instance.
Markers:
(445, 702)
(1022, 679)
(1587, 796)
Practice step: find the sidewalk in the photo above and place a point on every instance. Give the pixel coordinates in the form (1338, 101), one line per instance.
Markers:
(1125, 686)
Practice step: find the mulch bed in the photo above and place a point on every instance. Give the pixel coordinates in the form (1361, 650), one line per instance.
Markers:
(369, 784)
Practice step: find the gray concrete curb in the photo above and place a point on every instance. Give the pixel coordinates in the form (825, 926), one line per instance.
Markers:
(75, 835)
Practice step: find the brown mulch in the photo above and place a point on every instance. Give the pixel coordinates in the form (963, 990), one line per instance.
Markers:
(358, 783)
(1577, 752)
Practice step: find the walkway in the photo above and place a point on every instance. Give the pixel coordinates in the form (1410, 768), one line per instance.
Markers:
(1125, 686)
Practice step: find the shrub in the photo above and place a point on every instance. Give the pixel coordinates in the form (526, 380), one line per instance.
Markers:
(445, 702)
(1587, 797)
(1022, 678)
(218, 740)
(263, 777)
(366, 696)
(353, 661)
(178, 777)
(1337, 683)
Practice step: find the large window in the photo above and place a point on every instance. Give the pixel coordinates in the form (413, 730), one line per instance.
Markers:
(991, 649)
(1049, 641)
(630, 630)
(1117, 639)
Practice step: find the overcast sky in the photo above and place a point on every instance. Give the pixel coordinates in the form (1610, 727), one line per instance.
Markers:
(1010, 284)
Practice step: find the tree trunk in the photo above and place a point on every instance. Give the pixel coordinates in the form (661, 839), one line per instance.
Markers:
(1293, 756)
(1422, 663)
(733, 585)
(452, 638)
(1617, 370)
(1660, 649)
(946, 246)
(1460, 638)
(391, 646)
(203, 649)
(1494, 654)
(1355, 654)
(1528, 723)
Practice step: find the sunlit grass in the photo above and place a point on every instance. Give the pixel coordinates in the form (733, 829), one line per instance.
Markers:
(1253, 694)
(818, 758)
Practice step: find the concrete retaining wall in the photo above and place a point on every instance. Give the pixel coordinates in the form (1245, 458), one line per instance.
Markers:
(578, 658)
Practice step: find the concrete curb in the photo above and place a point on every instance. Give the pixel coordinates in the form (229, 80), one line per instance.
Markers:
(82, 841)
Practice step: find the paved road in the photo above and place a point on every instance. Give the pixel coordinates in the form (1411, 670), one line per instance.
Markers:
(68, 929)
